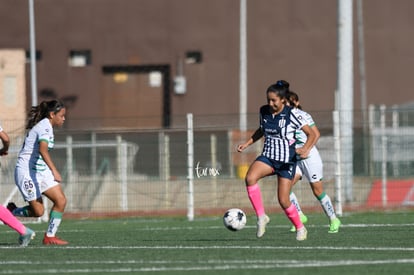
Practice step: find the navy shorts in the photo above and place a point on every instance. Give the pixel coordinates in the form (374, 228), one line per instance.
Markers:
(282, 169)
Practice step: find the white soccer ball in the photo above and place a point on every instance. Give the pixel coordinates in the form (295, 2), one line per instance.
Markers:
(234, 219)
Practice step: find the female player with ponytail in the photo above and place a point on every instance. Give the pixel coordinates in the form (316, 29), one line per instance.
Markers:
(35, 172)
(278, 123)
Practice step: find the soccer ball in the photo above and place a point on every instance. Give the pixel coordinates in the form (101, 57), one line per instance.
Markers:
(234, 219)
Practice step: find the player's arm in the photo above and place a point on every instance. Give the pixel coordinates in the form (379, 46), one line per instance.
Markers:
(303, 152)
(258, 134)
(6, 142)
(317, 134)
(44, 152)
(312, 125)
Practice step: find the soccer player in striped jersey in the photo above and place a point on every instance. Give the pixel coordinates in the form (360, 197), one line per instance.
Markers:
(312, 168)
(278, 123)
(35, 172)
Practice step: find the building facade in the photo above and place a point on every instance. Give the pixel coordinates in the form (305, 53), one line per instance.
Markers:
(145, 64)
(12, 91)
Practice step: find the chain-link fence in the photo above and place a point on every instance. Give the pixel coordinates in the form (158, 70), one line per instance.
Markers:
(139, 172)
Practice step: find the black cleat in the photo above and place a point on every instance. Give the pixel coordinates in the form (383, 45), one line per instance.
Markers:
(11, 206)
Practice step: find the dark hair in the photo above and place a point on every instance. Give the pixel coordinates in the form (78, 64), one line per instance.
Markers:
(281, 88)
(37, 113)
(293, 98)
(283, 83)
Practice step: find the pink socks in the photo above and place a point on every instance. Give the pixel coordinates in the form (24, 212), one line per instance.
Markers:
(255, 197)
(11, 221)
(293, 215)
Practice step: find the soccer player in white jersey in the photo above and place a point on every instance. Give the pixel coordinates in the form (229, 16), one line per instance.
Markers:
(35, 172)
(312, 168)
(26, 234)
(278, 125)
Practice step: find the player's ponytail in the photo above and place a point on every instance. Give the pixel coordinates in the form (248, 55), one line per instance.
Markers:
(37, 113)
(293, 99)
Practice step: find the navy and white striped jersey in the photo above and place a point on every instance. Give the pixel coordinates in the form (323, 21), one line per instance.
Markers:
(279, 132)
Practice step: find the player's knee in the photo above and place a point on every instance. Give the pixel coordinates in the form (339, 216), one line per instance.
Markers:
(63, 202)
(60, 203)
(38, 211)
(250, 179)
(284, 202)
(317, 189)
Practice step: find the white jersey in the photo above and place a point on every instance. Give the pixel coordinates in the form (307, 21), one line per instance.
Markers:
(29, 156)
(312, 166)
(300, 136)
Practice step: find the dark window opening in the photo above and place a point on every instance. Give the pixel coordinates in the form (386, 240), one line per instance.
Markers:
(193, 57)
(38, 55)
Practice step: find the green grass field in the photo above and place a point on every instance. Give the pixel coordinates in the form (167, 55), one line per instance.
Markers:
(368, 243)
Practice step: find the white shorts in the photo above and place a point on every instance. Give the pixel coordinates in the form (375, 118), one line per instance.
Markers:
(311, 167)
(33, 184)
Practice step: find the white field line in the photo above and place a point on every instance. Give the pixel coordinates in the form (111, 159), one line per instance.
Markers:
(192, 266)
(108, 266)
(216, 247)
(172, 228)
(273, 226)
(202, 265)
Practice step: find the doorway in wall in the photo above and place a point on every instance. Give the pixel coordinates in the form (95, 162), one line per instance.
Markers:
(136, 96)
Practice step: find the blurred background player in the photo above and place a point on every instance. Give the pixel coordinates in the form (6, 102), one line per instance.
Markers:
(312, 168)
(35, 172)
(26, 234)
